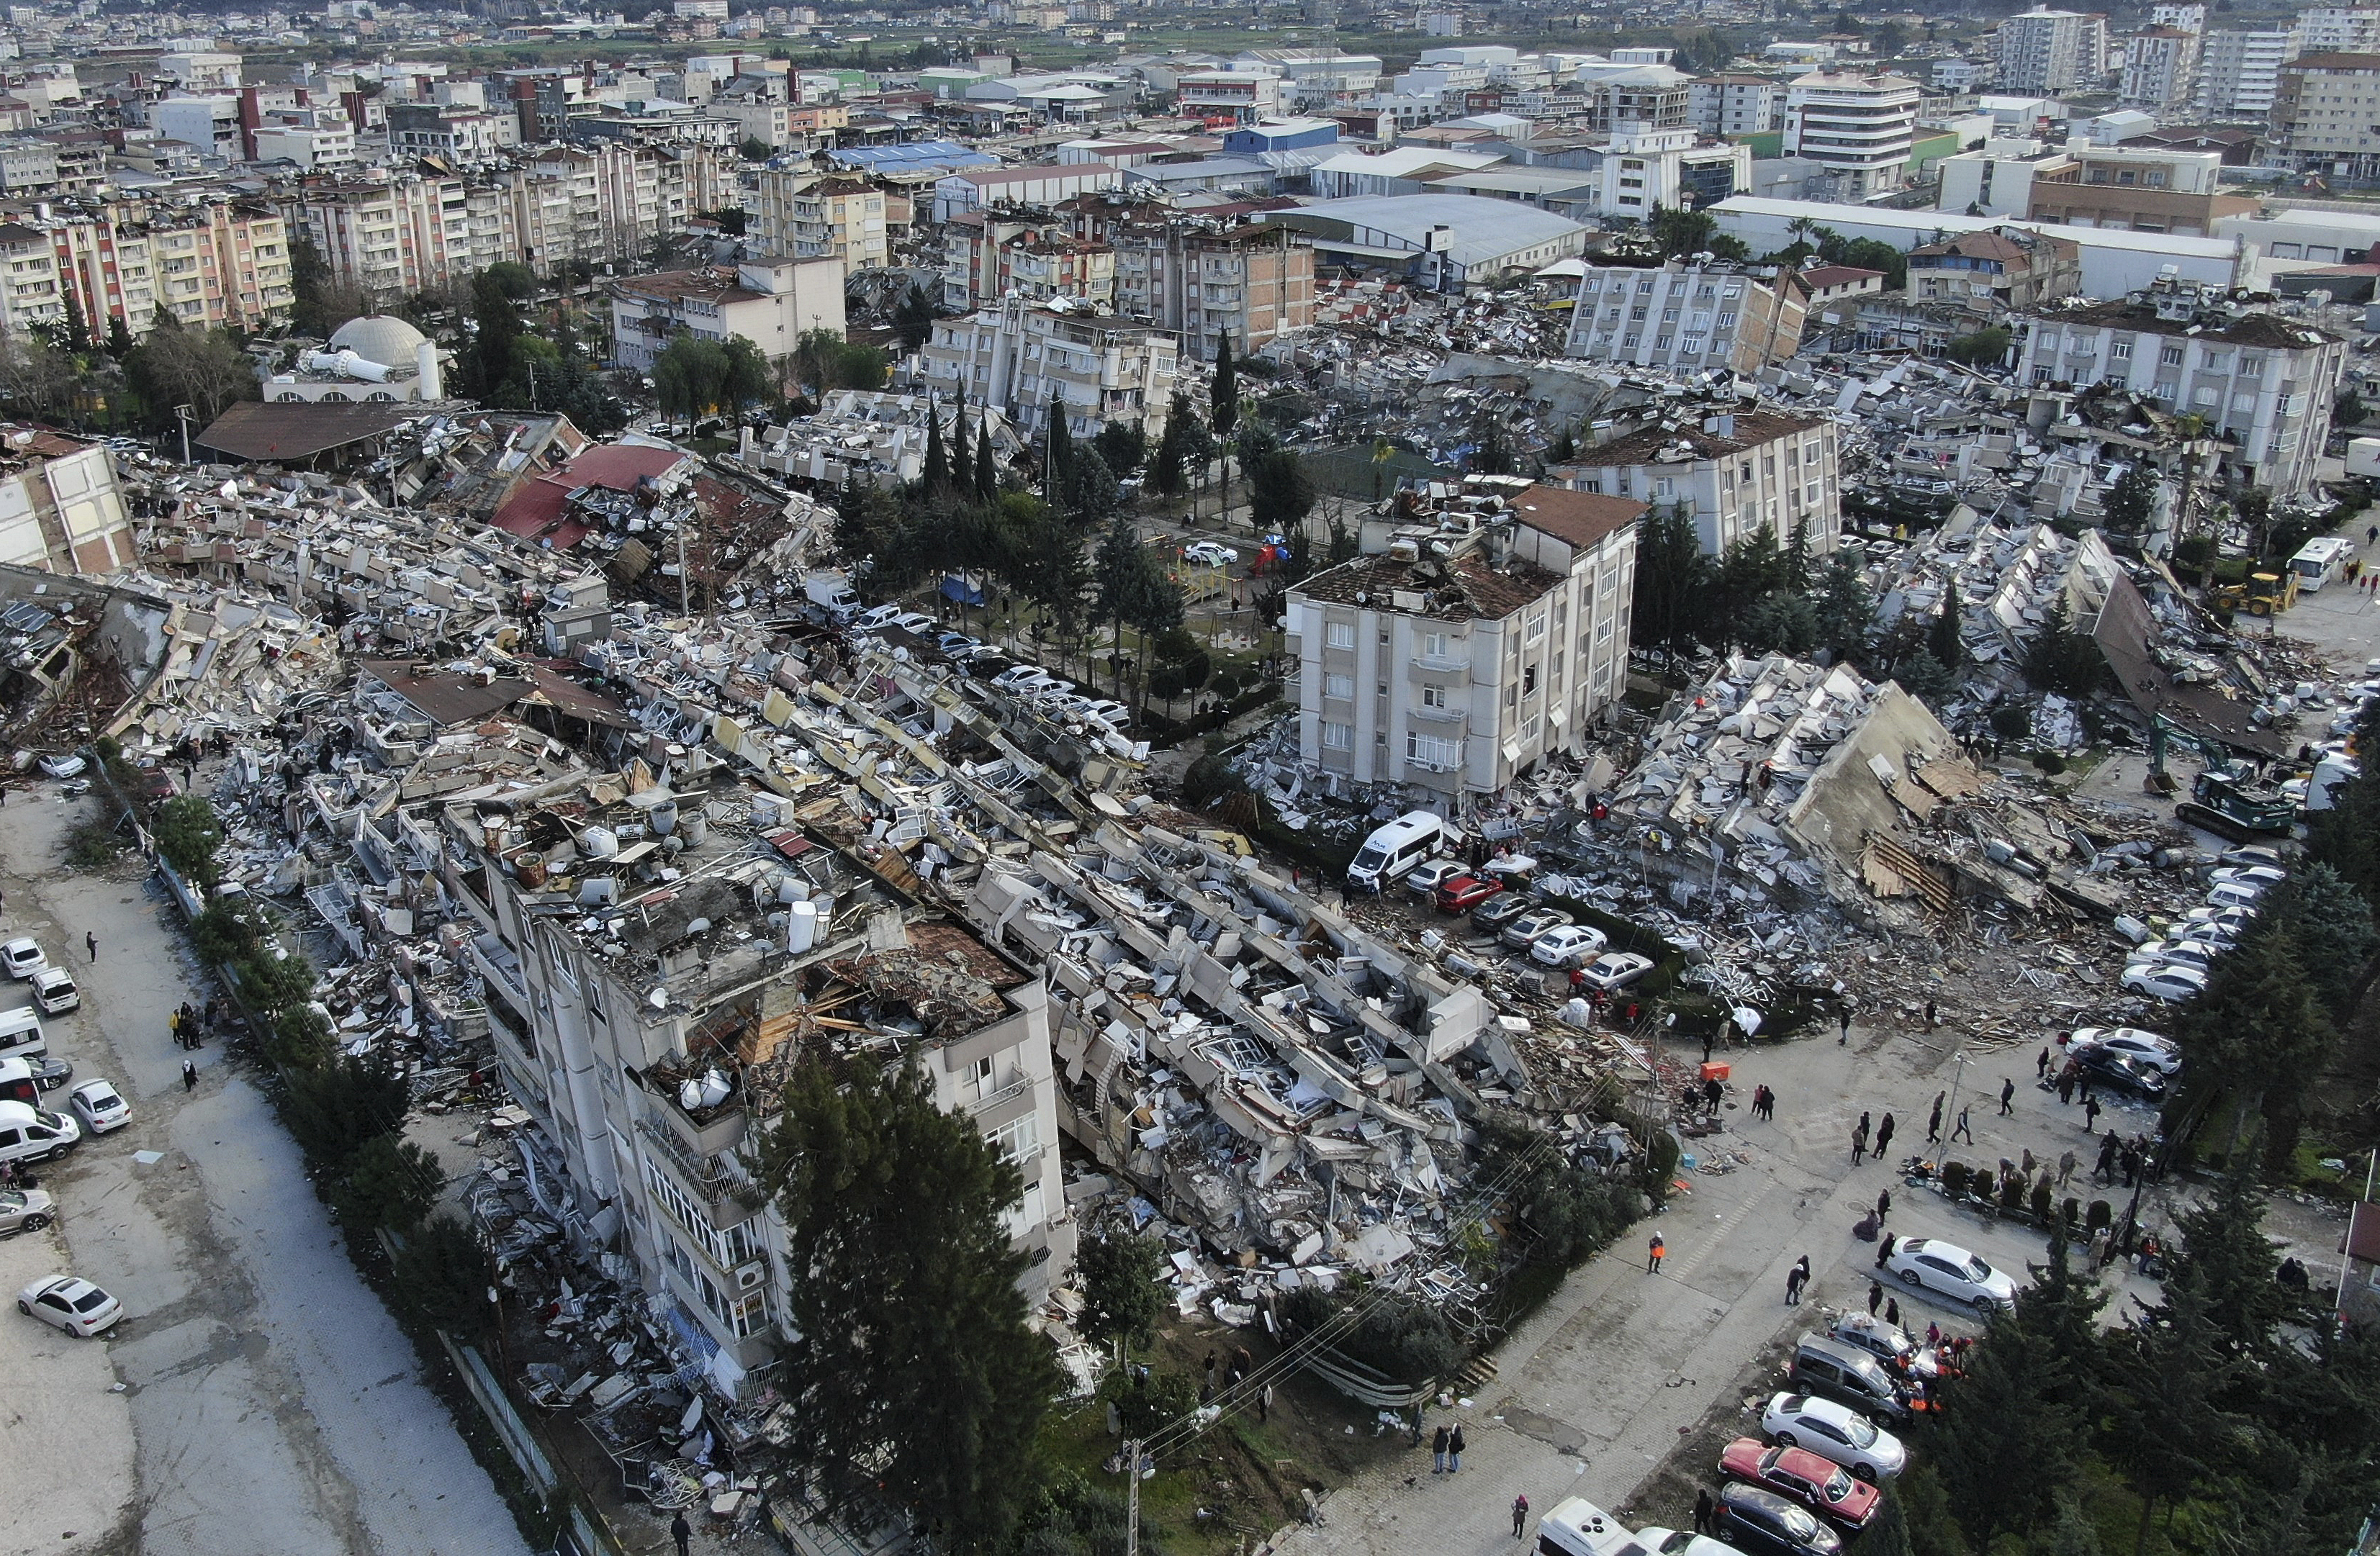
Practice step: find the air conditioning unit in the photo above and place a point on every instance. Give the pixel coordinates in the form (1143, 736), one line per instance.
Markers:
(752, 1276)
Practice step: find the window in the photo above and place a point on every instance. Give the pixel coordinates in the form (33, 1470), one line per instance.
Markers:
(1431, 751)
(1017, 1143)
(2170, 356)
(1433, 696)
(1537, 625)
(1338, 736)
(1340, 634)
(1340, 686)
(1528, 680)
(1433, 646)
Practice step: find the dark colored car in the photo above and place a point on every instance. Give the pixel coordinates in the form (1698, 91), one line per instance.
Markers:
(2105, 1067)
(1803, 1476)
(1492, 916)
(1761, 1523)
(1850, 1376)
(1466, 892)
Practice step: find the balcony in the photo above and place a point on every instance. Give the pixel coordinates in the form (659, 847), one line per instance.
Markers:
(1440, 713)
(728, 1197)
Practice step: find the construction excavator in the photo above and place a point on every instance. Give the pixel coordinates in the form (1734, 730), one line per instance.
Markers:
(2229, 797)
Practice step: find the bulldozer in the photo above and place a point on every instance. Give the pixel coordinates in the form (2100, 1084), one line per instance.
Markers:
(2228, 797)
(2263, 594)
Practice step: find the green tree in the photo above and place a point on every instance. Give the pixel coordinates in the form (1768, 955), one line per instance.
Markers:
(2258, 1032)
(919, 1380)
(2009, 1448)
(1125, 445)
(1682, 232)
(515, 279)
(2346, 410)
(1121, 1296)
(1986, 347)
(937, 478)
(987, 471)
(2061, 659)
(334, 1111)
(1057, 452)
(499, 322)
(119, 337)
(1092, 495)
(1673, 580)
(389, 1182)
(1224, 408)
(1942, 639)
(1846, 611)
(202, 368)
(2132, 498)
(190, 834)
(2330, 926)
(913, 319)
(441, 1275)
(1280, 496)
(752, 148)
(2165, 1432)
(1166, 475)
(1782, 623)
(2223, 1258)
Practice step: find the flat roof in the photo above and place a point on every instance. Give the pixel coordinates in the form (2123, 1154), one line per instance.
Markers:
(1930, 222)
(1482, 228)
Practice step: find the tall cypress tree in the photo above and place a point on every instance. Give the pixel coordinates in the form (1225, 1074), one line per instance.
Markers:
(938, 465)
(1061, 451)
(987, 474)
(1224, 408)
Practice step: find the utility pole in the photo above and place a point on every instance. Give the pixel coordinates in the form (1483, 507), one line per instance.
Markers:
(684, 608)
(185, 413)
(1132, 1497)
(1958, 1076)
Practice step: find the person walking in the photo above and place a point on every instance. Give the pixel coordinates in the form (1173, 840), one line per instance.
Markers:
(1884, 1137)
(2041, 1065)
(2066, 1165)
(1883, 1205)
(1712, 1092)
(1932, 1021)
(1704, 1508)
(1859, 1141)
(91, 940)
(1844, 1017)
(1962, 1128)
(1874, 1296)
(2089, 1114)
(2065, 1084)
(1794, 1282)
(1892, 1313)
(1454, 1449)
(1264, 1405)
(680, 1530)
(190, 1075)
(2106, 1170)
(2008, 1096)
(1437, 1450)
(1934, 1124)
(1520, 1514)
(1653, 1253)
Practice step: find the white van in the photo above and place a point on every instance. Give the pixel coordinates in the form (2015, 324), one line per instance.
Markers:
(33, 1134)
(1391, 851)
(2322, 560)
(20, 1034)
(1576, 1527)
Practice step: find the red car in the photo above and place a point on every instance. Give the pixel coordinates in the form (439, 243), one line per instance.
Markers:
(1825, 1489)
(1466, 892)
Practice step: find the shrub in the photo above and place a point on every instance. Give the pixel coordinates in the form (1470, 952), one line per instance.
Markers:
(188, 835)
(1406, 1339)
(1954, 1179)
(2011, 722)
(2070, 1213)
(1660, 1163)
(1145, 1404)
(441, 1275)
(389, 1182)
(2100, 1214)
(2044, 1198)
(273, 980)
(1121, 1295)
(301, 1038)
(2012, 1192)
(333, 1110)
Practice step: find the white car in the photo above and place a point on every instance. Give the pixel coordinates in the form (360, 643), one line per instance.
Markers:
(100, 1106)
(2265, 875)
(23, 957)
(1108, 711)
(1015, 678)
(1615, 970)
(2236, 893)
(2214, 924)
(1209, 553)
(2251, 853)
(2182, 952)
(1834, 1433)
(55, 991)
(1949, 1270)
(66, 765)
(874, 616)
(1570, 945)
(2164, 981)
(2160, 1053)
(71, 1303)
(1432, 874)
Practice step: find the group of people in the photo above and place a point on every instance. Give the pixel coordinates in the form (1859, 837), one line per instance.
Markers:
(1862, 1147)
(192, 1027)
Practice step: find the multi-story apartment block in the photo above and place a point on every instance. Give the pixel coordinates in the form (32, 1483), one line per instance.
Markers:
(2046, 50)
(1736, 105)
(1314, 80)
(2160, 70)
(2240, 72)
(771, 301)
(455, 135)
(1686, 316)
(1456, 661)
(310, 138)
(1243, 95)
(1734, 476)
(1997, 271)
(30, 292)
(2263, 383)
(1247, 283)
(2326, 115)
(1021, 358)
(1863, 126)
(61, 510)
(2337, 29)
(2190, 18)
(216, 264)
(801, 214)
(391, 238)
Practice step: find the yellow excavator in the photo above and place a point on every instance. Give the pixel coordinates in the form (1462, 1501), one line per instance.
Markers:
(2263, 594)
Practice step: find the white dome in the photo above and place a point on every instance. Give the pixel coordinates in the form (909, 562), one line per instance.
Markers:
(392, 342)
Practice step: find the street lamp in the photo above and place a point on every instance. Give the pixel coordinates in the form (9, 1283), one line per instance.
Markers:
(185, 413)
(1957, 1078)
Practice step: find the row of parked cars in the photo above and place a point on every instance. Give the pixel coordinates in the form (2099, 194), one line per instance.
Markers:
(1054, 694)
(2176, 967)
(1551, 936)
(32, 1133)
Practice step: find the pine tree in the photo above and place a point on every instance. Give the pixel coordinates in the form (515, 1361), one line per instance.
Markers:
(1673, 580)
(2009, 1447)
(1061, 454)
(937, 476)
(119, 337)
(2165, 1433)
(2224, 1257)
(1223, 409)
(1942, 639)
(987, 474)
(1846, 613)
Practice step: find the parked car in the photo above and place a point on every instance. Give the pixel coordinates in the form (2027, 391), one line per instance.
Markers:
(1109, 712)
(1760, 1523)
(1836, 1432)
(2199, 953)
(2125, 1073)
(2164, 981)
(35, 1134)
(1492, 916)
(100, 1106)
(55, 991)
(2160, 1053)
(73, 1304)
(2236, 893)
(2265, 875)
(1889, 1344)
(2251, 853)
(25, 1209)
(1615, 970)
(874, 616)
(49, 1072)
(23, 957)
(1848, 1374)
(1465, 892)
(1950, 1270)
(64, 765)
(955, 644)
(1820, 1485)
(2215, 925)
(1525, 930)
(1209, 553)
(1432, 874)
(1569, 946)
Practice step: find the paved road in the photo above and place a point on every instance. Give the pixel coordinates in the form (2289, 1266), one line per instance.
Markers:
(271, 1405)
(1596, 1389)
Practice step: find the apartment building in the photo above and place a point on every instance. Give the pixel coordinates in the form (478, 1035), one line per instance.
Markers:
(1247, 283)
(309, 138)
(389, 238)
(1995, 272)
(2160, 70)
(1243, 95)
(1735, 104)
(2265, 383)
(30, 291)
(2326, 115)
(455, 135)
(1491, 638)
(2137, 189)
(1686, 316)
(220, 263)
(798, 212)
(1861, 126)
(1314, 80)
(61, 510)
(650, 1037)
(771, 301)
(2046, 50)
(1022, 358)
(1735, 475)
(2337, 29)
(2240, 72)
